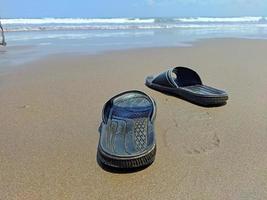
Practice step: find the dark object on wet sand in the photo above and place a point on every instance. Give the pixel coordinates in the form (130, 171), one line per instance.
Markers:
(127, 137)
(3, 43)
(186, 84)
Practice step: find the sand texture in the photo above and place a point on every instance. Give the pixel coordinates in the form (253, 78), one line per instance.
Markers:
(50, 111)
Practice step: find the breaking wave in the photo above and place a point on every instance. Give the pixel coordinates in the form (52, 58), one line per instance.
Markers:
(53, 24)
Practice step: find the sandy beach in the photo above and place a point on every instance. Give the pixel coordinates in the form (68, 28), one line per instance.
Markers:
(50, 110)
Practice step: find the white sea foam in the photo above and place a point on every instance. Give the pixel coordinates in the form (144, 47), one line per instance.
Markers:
(128, 27)
(76, 21)
(53, 24)
(221, 19)
(131, 20)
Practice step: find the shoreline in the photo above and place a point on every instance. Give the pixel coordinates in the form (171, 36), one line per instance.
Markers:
(39, 55)
(50, 110)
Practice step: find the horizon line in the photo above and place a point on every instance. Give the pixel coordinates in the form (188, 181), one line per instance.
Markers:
(134, 17)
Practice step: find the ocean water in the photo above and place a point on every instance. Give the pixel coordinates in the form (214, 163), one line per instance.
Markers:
(67, 35)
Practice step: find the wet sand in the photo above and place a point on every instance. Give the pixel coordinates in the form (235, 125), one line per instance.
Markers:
(50, 111)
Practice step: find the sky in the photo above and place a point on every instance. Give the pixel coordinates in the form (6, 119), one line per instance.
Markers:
(131, 8)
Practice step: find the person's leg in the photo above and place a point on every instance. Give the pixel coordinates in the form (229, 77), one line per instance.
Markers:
(3, 36)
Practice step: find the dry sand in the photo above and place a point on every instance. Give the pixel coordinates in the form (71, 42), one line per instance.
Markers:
(50, 111)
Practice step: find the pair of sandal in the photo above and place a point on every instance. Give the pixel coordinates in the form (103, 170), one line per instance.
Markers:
(127, 135)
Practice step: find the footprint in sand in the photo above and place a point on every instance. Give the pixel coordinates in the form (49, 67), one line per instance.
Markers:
(24, 106)
(191, 133)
